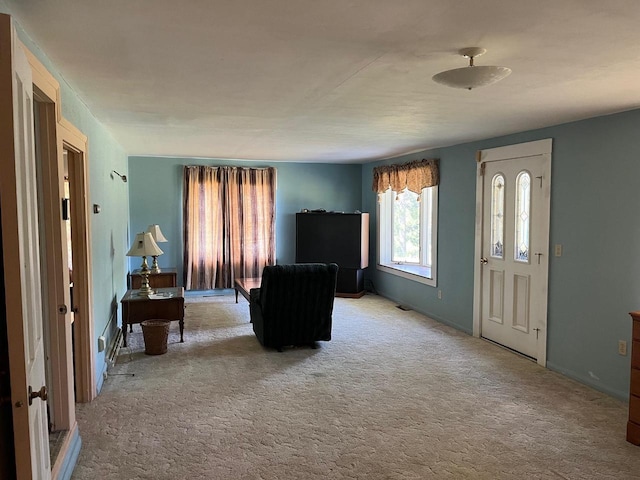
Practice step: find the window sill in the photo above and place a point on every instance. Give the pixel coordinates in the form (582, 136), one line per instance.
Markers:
(412, 272)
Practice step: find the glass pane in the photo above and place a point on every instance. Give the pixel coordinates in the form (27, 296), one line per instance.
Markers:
(405, 246)
(427, 216)
(497, 217)
(523, 216)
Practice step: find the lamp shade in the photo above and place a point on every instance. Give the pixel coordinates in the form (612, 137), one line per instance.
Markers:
(471, 77)
(144, 245)
(155, 231)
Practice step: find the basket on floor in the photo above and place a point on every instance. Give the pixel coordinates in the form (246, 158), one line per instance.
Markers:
(155, 333)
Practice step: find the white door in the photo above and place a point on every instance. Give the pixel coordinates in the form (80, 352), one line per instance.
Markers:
(18, 207)
(514, 253)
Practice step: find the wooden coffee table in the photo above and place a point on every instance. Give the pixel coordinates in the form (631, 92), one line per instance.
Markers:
(244, 286)
(167, 304)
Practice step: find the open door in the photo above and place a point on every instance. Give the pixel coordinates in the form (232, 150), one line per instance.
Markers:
(20, 244)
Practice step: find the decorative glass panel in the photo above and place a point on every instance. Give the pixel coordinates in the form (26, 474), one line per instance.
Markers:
(405, 247)
(523, 216)
(497, 216)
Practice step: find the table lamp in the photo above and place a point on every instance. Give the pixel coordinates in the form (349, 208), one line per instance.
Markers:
(143, 246)
(157, 235)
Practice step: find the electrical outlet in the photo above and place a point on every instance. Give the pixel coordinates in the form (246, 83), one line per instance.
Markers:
(558, 250)
(439, 294)
(622, 347)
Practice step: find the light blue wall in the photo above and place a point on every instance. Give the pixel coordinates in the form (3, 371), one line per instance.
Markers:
(594, 215)
(155, 186)
(109, 229)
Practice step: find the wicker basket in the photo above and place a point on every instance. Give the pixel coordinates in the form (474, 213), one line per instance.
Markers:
(155, 333)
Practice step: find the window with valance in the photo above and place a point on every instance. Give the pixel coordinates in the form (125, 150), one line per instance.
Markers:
(408, 229)
(412, 176)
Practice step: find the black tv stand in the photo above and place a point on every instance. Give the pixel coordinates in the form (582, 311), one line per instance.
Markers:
(332, 237)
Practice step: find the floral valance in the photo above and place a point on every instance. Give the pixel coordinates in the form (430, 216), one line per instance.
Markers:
(413, 176)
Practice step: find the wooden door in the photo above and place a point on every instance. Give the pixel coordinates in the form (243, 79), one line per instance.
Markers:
(20, 235)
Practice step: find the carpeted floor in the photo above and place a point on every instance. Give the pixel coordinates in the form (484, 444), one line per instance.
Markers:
(394, 395)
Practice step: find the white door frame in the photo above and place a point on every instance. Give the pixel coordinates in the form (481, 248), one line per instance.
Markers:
(68, 136)
(529, 149)
(74, 141)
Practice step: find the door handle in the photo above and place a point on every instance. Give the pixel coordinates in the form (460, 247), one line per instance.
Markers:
(41, 394)
(483, 261)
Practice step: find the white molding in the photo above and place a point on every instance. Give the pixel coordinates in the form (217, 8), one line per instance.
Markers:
(519, 150)
(75, 141)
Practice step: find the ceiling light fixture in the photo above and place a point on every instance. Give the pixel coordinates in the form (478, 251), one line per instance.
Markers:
(471, 76)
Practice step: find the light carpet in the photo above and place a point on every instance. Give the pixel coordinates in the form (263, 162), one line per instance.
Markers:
(394, 395)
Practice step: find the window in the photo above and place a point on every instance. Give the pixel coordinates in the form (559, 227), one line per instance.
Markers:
(229, 224)
(407, 225)
(497, 216)
(523, 216)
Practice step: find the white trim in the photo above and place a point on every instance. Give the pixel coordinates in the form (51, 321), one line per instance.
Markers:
(397, 269)
(519, 150)
(529, 149)
(393, 270)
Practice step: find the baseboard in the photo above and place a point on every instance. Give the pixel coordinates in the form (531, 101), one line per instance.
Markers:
(427, 314)
(68, 457)
(620, 395)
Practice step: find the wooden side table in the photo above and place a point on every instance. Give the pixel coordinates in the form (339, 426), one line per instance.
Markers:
(244, 286)
(166, 304)
(166, 277)
(633, 425)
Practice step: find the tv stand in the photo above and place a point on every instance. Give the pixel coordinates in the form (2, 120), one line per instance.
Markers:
(341, 238)
(350, 283)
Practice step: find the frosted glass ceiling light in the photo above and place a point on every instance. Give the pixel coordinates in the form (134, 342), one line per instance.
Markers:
(471, 76)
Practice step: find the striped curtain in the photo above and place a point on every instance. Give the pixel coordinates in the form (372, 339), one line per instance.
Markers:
(229, 224)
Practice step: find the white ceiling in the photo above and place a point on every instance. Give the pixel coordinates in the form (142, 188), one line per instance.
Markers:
(333, 80)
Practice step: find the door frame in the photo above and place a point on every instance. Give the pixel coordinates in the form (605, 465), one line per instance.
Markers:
(528, 149)
(61, 133)
(73, 140)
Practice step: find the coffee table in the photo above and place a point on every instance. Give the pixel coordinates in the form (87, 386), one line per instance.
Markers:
(244, 286)
(166, 304)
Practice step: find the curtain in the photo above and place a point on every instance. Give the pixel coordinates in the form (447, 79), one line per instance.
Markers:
(413, 176)
(229, 224)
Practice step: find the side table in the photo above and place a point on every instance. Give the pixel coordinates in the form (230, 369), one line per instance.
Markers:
(166, 277)
(165, 304)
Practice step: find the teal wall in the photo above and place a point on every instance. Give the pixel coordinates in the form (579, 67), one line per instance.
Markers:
(109, 229)
(155, 186)
(594, 215)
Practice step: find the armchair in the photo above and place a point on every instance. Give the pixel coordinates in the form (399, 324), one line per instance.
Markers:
(294, 304)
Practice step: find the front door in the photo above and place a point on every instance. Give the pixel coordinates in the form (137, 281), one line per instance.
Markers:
(514, 251)
(20, 244)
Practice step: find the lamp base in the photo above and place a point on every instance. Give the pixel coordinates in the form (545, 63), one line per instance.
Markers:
(145, 290)
(154, 266)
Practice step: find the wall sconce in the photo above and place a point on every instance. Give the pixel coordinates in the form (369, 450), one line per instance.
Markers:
(122, 177)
